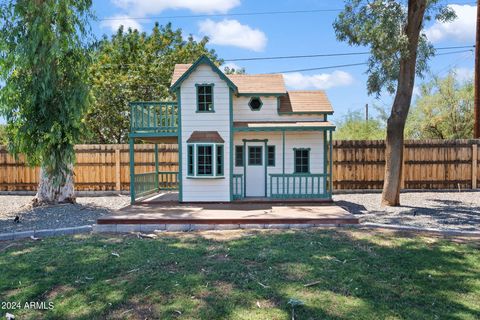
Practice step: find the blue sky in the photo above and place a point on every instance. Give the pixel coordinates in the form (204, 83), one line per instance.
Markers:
(287, 34)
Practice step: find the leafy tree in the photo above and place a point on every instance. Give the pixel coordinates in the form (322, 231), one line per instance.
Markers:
(399, 51)
(228, 70)
(444, 110)
(44, 58)
(355, 127)
(3, 134)
(134, 66)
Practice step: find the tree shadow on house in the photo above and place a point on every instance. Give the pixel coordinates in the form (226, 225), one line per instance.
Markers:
(345, 274)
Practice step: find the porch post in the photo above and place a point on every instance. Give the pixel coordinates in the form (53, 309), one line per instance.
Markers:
(283, 163)
(132, 170)
(331, 163)
(326, 164)
(157, 185)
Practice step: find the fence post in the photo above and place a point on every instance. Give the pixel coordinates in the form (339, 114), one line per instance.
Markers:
(402, 182)
(474, 165)
(118, 183)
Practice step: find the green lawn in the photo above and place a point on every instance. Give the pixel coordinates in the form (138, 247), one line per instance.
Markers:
(251, 275)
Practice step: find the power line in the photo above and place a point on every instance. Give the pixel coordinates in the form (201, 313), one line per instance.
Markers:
(470, 48)
(359, 64)
(223, 14)
(328, 55)
(235, 14)
(322, 68)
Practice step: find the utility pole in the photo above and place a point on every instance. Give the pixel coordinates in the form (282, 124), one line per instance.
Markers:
(476, 102)
(366, 112)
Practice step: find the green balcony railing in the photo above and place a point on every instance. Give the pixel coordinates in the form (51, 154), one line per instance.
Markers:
(161, 117)
(306, 185)
(150, 182)
(237, 186)
(145, 183)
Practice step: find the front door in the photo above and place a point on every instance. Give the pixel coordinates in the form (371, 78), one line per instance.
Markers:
(255, 170)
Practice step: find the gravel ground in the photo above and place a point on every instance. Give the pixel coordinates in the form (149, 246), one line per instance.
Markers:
(441, 210)
(85, 212)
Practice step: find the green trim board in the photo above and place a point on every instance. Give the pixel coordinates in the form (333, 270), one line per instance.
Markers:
(180, 145)
(156, 167)
(230, 154)
(331, 164)
(132, 170)
(203, 60)
(258, 129)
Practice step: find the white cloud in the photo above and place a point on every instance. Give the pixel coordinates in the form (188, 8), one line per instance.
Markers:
(119, 20)
(233, 33)
(231, 65)
(321, 81)
(462, 29)
(463, 74)
(145, 7)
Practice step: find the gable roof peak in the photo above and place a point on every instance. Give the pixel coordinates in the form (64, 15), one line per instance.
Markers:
(188, 69)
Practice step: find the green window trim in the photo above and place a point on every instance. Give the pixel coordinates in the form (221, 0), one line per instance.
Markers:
(205, 97)
(255, 155)
(205, 160)
(271, 156)
(239, 156)
(301, 160)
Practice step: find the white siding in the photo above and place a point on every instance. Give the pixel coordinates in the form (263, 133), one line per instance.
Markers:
(268, 112)
(205, 189)
(313, 140)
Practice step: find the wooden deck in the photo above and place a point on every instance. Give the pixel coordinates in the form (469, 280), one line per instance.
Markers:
(164, 210)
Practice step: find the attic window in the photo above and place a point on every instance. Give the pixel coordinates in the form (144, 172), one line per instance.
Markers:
(255, 104)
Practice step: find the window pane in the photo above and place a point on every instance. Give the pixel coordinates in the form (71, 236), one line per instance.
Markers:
(205, 98)
(255, 156)
(271, 156)
(220, 160)
(204, 160)
(190, 160)
(302, 161)
(239, 156)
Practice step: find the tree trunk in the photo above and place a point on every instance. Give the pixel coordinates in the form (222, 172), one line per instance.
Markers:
(50, 192)
(401, 106)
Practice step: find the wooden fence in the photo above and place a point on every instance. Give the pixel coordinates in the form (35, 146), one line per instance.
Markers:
(429, 164)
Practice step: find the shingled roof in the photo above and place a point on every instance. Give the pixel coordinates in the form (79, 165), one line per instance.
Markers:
(246, 83)
(205, 136)
(259, 83)
(305, 101)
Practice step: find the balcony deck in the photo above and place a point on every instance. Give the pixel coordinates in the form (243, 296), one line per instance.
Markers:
(152, 119)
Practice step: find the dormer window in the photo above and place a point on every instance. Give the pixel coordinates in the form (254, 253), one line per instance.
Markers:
(255, 103)
(205, 98)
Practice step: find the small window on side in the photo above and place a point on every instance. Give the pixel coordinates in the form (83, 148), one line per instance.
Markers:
(271, 156)
(239, 156)
(301, 160)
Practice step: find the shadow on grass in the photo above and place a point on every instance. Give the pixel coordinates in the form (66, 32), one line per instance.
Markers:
(349, 275)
